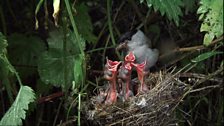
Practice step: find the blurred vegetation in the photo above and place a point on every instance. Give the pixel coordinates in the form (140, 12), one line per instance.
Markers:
(52, 54)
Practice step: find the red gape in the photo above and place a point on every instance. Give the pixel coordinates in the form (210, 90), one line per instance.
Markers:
(129, 63)
(141, 76)
(110, 74)
(125, 76)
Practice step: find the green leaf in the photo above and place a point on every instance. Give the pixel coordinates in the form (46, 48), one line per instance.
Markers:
(56, 38)
(4, 63)
(205, 56)
(17, 111)
(78, 70)
(169, 7)
(84, 23)
(24, 51)
(3, 44)
(211, 12)
(52, 68)
(56, 66)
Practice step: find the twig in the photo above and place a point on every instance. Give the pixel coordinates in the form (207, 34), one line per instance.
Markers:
(209, 76)
(58, 110)
(204, 88)
(193, 48)
(137, 115)
(196, 84)
(200, 76)
(49, 97)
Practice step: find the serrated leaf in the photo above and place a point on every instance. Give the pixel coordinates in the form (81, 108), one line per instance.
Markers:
(211, 12)
(169, 7)
(205, 56)
(17, 111)
(84, 23)
(208, 38)
(204, 6)
(53, 68)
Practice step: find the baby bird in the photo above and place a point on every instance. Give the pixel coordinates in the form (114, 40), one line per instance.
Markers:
(140, 45)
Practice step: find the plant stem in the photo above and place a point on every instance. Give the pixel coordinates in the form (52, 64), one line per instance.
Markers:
(79, 109)
(110, 27)
(68, 7)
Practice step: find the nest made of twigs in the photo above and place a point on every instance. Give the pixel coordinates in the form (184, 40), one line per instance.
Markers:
(154, 108)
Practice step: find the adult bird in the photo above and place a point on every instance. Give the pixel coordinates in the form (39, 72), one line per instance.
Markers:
(145, 57)
(140, 45)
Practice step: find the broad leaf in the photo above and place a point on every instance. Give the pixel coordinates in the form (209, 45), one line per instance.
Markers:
(84, 23)
(56, 66)
(211, 12)
(205, 56)
(169, 7)
(53, 69)
(56, 39)
(17, 111)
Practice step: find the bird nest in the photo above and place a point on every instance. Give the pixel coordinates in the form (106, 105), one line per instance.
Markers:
(153, 108)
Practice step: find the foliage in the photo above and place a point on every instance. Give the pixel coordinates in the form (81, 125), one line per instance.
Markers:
(50, 60)
(211, 13)
(84, 24)
(3, 44)
(18, 109)
(169, 7)
(25, 96)
(205, 56)
(190, 5)
(18, 56)
(52, 56)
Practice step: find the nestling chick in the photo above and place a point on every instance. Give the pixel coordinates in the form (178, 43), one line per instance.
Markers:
(140, 45)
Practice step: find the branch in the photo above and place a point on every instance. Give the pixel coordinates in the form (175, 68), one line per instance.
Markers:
(193, 48)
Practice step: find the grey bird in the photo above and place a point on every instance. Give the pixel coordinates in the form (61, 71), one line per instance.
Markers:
(141, 45)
